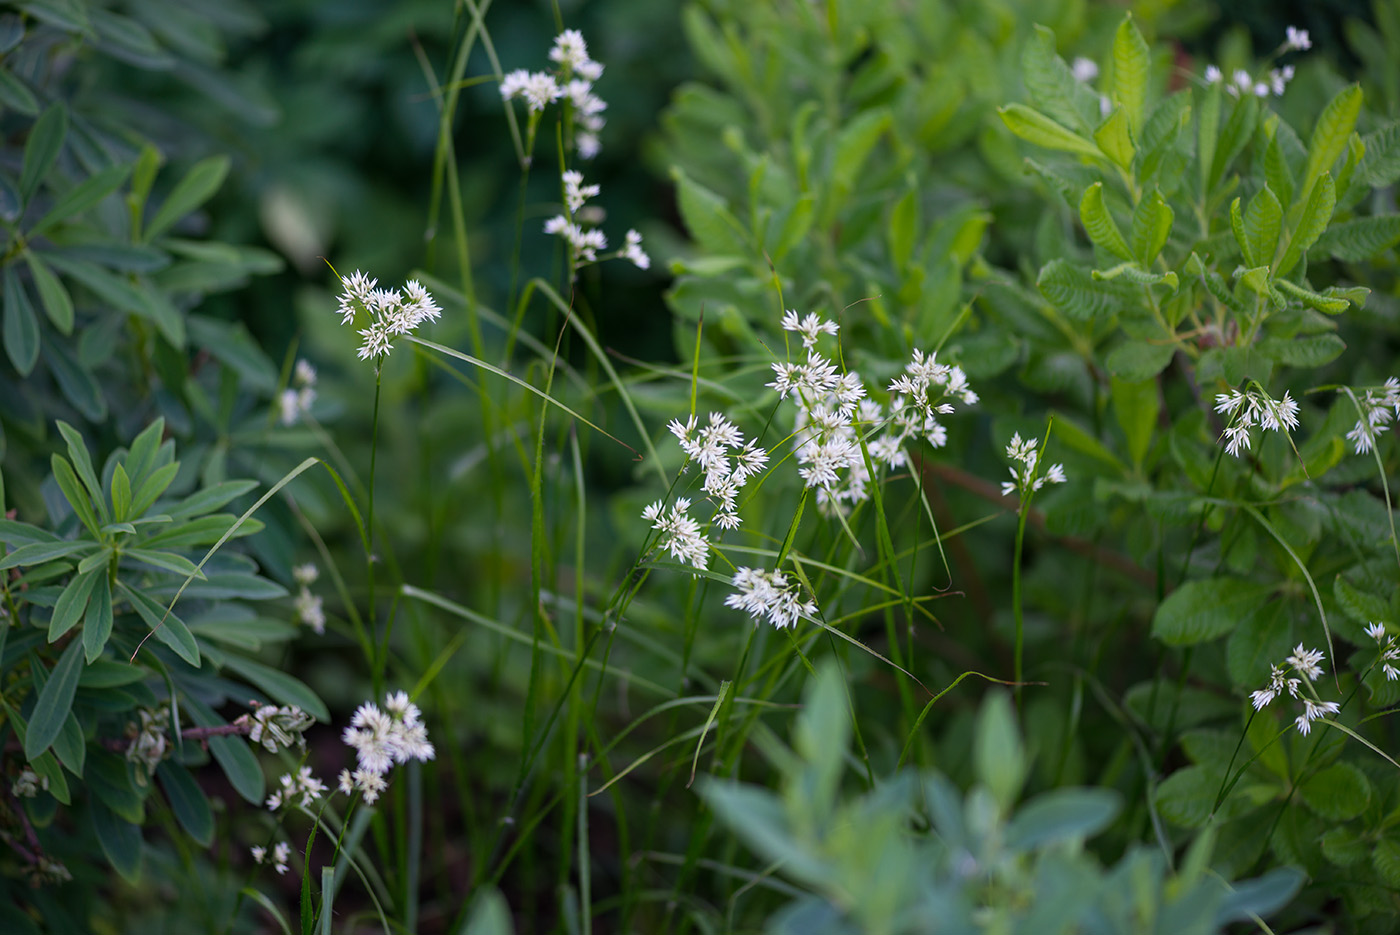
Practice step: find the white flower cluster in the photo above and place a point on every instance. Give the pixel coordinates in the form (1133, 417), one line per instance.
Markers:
(297, 399)
(768, 594)
(308, 606)
(390, 312)
(832, 407)
(382, 739)
(1296, 39)
(1250, 408)
(150, 742)
(680, 534)
(1378, 407)
(1024, 479)
(301, 783)
(281, 856)
(1390, 652)
(1242, 82)
(586, 242)
(725, 473)
(28, 784)
(1086, 70)
(276, 727)
(573, 82)
(1308, 664)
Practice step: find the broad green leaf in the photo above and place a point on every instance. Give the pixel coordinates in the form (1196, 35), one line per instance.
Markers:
(1317, 214)
(1075, 291)
(1344, 846)
(42, 148)
(187, 801)
(489, 914)
(1207, 131)
(1054, 90)
(1362, 606)
(708, 219)
(21, 328)
(1386, 860)
(58, 304)
(1115, 140)
(81, 197)
(1330, 134)
(1136, 406)
(1380, 166)
(279, 686)
(1099, 224)
(1206, 609)
(165, 625)
(757, 817)
(1062, 815)
(120, 841)
(1131, 61)
(1152, 223)
(903, 228)
(1311, 351)
(197, 187)
(1135, 361)
(1260, 641)
(1338, 792)
(998, 753)
(72, 603)
(1238, 131)
(854, 143)
(54, 702)
(1262, 222)
(1035, 127)
(1361, 238)
(1250, 900)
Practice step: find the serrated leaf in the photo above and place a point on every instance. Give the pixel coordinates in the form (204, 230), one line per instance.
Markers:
(1054, 91)
(1034, 127)
(1237, 228)
(1238, 131)
(54, 702)
(197, 187)
(20, 327)
(1203, 610)
(1099, 224)
(1131, 60)
(1361, 238)
(1363, 607)
(1338, 792)
(1380, 166)
(42, 148)
(1330, 134)
(1075, 292)
(1386, 860)
(1317, 214)
(1344, 847)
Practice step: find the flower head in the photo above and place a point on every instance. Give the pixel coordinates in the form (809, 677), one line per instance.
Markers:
(388, 312)
(1297, 39)
(1250, 408)
(767, 594)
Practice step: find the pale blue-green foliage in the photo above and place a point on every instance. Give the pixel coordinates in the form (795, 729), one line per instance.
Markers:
(916, 854)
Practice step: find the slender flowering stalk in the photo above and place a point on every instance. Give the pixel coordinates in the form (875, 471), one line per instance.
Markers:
(1379, 407)
(585, 243)
(1254, 408)
(572, 82)
(1025, 480)
(680, 534)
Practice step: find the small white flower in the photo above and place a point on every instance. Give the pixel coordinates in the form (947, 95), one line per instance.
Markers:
(1297, 39)
(537, 88)
(281, 857)
(1306, 662)
(1084, 69)
(1213, 75)
(346, 782)
(304, 374)
(633, 251)
(259, 854)
(810, 328)
(767, 594)
(1376, 631)
(680, 535)
(309, 610)
(306, 574)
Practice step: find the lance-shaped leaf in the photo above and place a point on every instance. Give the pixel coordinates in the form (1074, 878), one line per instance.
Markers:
(1263, 221)
(1099, 224)
(1131, 60)
(1361, 238)
(1034, 127)
(1330, 134)
(1152, 223)
(1114, 138)
(54, 702)
(1317, 213)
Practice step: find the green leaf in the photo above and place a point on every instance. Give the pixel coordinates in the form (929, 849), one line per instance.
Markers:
(1133, 273)
(1344, 847)
(120, 841)
(1237, 227)
(1262, 222)
(1186, 796)
(1261, 640)
(167, 627)
(1152, 223)
(82, 463)
(708, 219)
(903, 228)
(168, 561)
(70, 746)
(1338, 792)
(1115, 140)
(1135, 361)
(1239, 129)
(39, 552)
(1312, 351)
(279, 686)
(757, 817)
(1386, 860)
(121, 495)
(197, 187)
(15, 95)
(489, 915)
(1330, 134)
(1277, 174)
(152, 487)
(822, 737)
(82, 196)
(1332, 305)
(1035, 127)
(54, 702)
(1380, 166)
(1206, 609)
(21, 328)
(1130, 66)
(998, 753)
(72, 603)
(854, 143)
(74, 493)
(1362, 606)
(1053, 88)
(1062, 815)
(76, 381)
(232, 754)
(232, 345)
(1251, 900)
(58, 304)
(1361, 238)
(1136, 404)
(1317, 214)
(1099, 224)
(1075, 292)
(42, 148)
(187, 801)
(1207, 130)
(141, 456)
